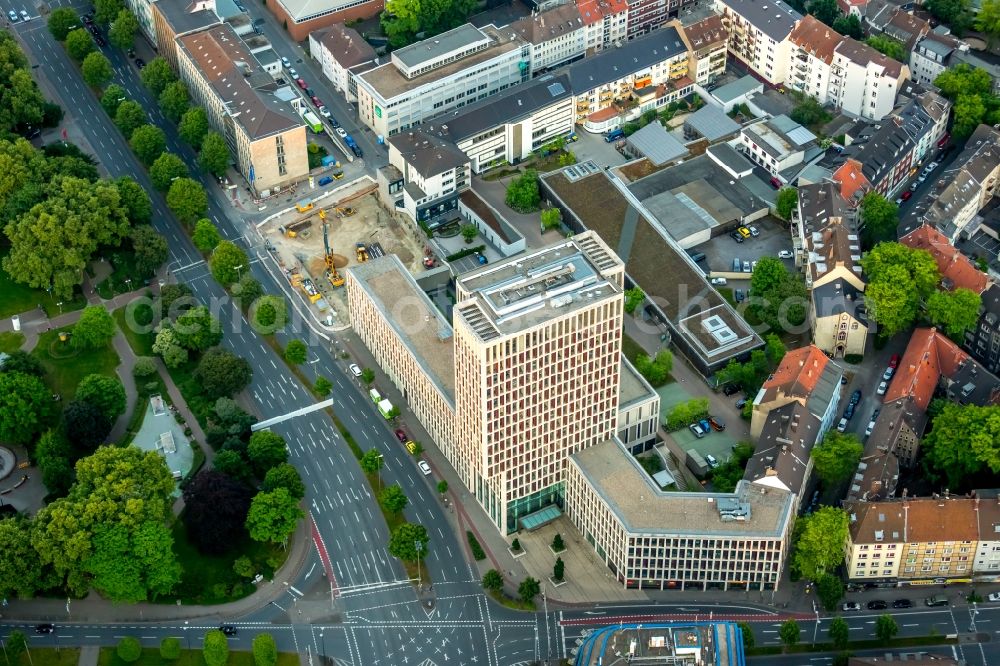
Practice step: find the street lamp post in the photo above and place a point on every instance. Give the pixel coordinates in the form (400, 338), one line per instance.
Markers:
(187, 637)
(322, 640)
(239, 275)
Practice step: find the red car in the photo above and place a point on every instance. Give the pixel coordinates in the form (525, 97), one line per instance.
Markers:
(894, 361)
(301, 83)
(400, 435)
(316, 101)
(944, 140)
(906, 195)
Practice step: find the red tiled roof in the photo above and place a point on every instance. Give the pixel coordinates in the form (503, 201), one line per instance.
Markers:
(929, 355)
(604, 114)
(592, 11)
(952, 264)
(851, 178)
(816, 38)
(798, 372)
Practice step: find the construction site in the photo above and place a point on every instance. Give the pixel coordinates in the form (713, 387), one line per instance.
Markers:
(314, 241)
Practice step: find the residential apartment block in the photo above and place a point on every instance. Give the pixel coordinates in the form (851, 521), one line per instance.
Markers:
(171, 19)
(828, 247)
(962, 190)
(983, 342)
(793, 410)
(301, 17)
(343, 54)
(437, 75)
(507, 128)
(605, 23)
(433, 173)
(557, 36)
(706, 42)
(931, 56)
(779, 145)
(759, 35)
(267, 142)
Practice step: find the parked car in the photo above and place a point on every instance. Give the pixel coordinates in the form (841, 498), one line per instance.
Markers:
(877, 604)
(719, 281)
(906, 195)
(869, 428)
(741, 403)
(753, 266)
(317, 102)
(894, 361)
(887, 375)
(856, 397)
(309, 93)
(746, 266)
(355, 370)
(775, 183)
(928, 169)
(744, 232)
(301, 83)
(753, 231)
(736, 236)
(882, 388)
(717, 424)
(285, 62)
(424, 467)
(711, 460)
(140, 63)
(842, 426)
(944, 140)
(696, 429)
(12, 15)
(785, 254)
(738, 295)
(730, 389)
(400, 435)
(936, 600)
(46, 628)
(902, 603)
(341, 132)
(323, 111)
(25, 16)
(292, 73)
(849, 412)
(705, 425)
(993, 596)
(228, 629)
(851, 606)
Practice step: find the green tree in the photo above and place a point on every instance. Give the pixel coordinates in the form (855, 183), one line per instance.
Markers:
(888, 46)
(789, 632)
(174, 101)
(809, 112)
(955, 13)
(138, 207)
(227, 261)
(268, 313)
(215, 649)
(774, 348)
(296, 352)
(21, 101)
(265, 650)
(170, 648)
(963, 441)
(963, 79)
(968, 113)
(469, 232)
(265, 450)
(839, 632)
(551, 219)
(96, 69)
(52, 456)
(836, 458)
(849, 26)
(633, 298)
(165, 169)
(746, 632)
(367, 376)
(243, 567)
(150, 250)
(129, 649)
(222, 373)
(24, 407)
(61, 21)
(214, 154)
(193, 126)
(197, 329)
(94, 328)
(17, 644)
(558, 569)
(830, 590)
(323, 386)
(442, 486)
(273, 516)
(233, 465)
(187, 199)
(408, 541)
(557, 543)
(205, 236)
(528, 589)
(247, 291)
(879, 218)
(105, 393)
(899, 279)
(787, 200)
(105, 11)
(157, 75)
(122, 32)
(79, 44)
(820, 545)
(129, 116)
(954, 311)
(523, 194)
(685, 413)
(886, 627)
(148, 142)
(20, 571)
(392, 499)
(492, 581)
(284, 476)
(372, 461)
(145, 366)
(112, 97)
(987, 21)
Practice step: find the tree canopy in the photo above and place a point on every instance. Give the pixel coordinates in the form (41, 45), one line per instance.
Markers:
(787, 200)
(988, 20)
(193, 126)
(222, 373)
(61, 21)
(819, 547)
(129, 116)
(138, 207)
(150, 249)
(227, 261)
(111, 98)
(105, 11)
(296, 351)
(205, 236)
(187, 199)
(964, 440)
(86, 426)
(779, 298)
(20, 570)
(94, 328)
(404, 19)
(21, 101)
(266, 449)
(215, 513)
(122, 32)
(284, 476)
(522, 193)
(96, 69)
(955, 312)
(214, 154)
(174, 101)
(888, 46)
(79, 44)
(265, 650)
(971, 90)
(955, 13)
(157, 75)
(273, 516)
(835, 459)
(408, 541)
(215, 649)
(826, 11)
(25, 407)
(197, 330)
(393, 499)
(899, 279)
(105, 393)
(148, 142)
(165, 169)
(879, 218)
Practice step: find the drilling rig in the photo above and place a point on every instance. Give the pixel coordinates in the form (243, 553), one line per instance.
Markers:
(335, 278)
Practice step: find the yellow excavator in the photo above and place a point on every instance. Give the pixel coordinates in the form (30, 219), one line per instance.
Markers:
(335, 278)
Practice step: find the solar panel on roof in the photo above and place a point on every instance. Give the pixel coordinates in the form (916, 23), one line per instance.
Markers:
(556, 89)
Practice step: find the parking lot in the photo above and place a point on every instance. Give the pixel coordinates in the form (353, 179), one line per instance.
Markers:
(594, 147)
(718, 444)
(721, 250)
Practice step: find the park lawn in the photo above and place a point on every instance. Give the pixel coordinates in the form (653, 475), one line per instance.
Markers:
(16, 298)
(140, 342)
(65, 366)
(210, 579)
(10, 342)
(67, 656)
(151, 656)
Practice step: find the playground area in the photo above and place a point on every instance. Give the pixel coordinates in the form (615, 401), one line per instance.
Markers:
(357, 228)
(160, 432)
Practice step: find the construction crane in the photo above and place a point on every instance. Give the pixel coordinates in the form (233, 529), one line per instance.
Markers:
(335, 278)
